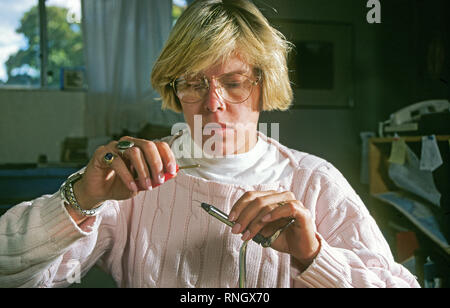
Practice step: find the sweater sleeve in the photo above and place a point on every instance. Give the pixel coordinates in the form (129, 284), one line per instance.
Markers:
(41, 246)
(349, 261)
(353, 251)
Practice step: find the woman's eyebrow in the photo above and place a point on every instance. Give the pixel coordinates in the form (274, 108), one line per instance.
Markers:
(242, 72)
(245, 72)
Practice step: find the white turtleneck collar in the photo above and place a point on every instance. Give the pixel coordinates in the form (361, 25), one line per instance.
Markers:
(260, 165)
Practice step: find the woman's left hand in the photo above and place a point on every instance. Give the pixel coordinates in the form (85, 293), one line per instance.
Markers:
(267, 211)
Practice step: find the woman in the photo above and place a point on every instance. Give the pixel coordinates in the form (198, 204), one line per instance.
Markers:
(222, 65)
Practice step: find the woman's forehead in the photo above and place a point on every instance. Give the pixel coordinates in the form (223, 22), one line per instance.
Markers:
(232, 64)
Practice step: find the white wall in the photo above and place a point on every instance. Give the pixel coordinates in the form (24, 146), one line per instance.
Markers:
(34, 122)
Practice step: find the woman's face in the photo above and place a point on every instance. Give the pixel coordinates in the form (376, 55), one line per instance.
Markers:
(225, 128)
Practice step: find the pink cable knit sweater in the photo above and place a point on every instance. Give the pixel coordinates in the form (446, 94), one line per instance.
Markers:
(162, 238)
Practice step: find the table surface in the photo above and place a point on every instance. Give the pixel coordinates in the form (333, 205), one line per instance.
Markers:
(17, 184)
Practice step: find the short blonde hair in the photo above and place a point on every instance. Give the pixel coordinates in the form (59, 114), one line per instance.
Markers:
(209, 31)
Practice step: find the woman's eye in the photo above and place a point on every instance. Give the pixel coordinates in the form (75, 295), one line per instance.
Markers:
(233, 84)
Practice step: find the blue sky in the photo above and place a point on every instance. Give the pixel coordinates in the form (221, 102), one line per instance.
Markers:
(179, 2)
(10, 41)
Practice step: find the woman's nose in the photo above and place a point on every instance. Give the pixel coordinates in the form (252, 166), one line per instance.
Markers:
(214, 101)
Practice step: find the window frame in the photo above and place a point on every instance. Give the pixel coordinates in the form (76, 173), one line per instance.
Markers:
(43, 39)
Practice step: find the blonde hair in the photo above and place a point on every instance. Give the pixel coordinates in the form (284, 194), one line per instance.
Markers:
(209, 31)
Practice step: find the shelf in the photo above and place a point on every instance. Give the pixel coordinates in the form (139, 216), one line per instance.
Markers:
(408, 138)
(379, 152)
(418, 213)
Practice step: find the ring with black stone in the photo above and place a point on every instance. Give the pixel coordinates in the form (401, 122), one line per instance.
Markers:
(108, 158)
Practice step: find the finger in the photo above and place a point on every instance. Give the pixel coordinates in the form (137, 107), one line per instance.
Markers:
(291, 209)
(100, 152)
(254, 207)
(243, 202)
(153, 159)
(167, 157)
(138, 164)
(117, 165)
(257, 224)
(270, 228)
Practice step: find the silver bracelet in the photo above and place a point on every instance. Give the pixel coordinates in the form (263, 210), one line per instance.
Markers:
(67, 194)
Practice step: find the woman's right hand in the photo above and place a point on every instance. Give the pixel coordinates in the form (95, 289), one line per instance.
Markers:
(138, 168)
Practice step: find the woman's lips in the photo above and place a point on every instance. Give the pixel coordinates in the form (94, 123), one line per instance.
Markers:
(215, 125)
(213, 128)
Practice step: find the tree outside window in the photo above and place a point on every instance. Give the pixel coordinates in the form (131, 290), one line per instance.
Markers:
(64, 45)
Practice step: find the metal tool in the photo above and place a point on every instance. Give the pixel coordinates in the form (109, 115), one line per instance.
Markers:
(188, 167)
(258, 238)
(243, 265)
(168, 176)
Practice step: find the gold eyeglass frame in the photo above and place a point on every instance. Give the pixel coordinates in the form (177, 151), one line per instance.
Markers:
(253, 82)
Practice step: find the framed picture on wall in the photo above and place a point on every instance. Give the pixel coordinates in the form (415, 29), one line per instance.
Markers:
(321, 64)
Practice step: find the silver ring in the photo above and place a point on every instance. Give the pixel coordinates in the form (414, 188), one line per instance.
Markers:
(124, 145)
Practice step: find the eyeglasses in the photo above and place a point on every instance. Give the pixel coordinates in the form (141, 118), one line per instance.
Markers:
(233, 88)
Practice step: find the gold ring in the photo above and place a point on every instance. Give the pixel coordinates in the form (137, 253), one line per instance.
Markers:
(281, 203)
(108, 158)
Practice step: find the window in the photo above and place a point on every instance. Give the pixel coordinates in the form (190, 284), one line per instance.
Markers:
(178, 6)
(29, 46)
(64, 38)
(19, 42)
